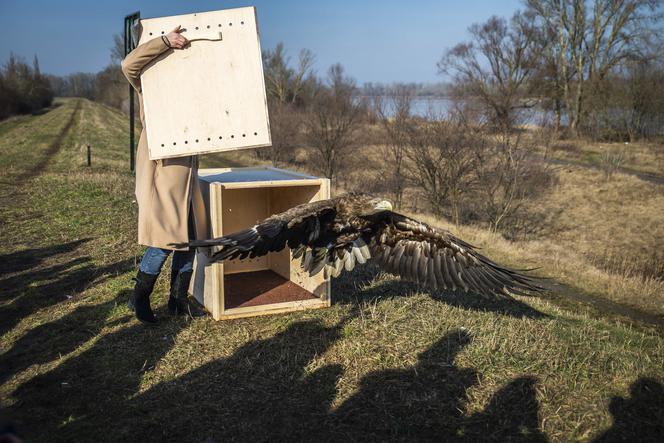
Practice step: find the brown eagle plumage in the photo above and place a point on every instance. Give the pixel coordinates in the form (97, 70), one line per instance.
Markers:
(335, 234)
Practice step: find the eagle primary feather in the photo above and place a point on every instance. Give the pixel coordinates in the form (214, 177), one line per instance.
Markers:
(332, 235)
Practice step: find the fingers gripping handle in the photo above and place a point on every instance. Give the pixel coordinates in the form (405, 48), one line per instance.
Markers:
(192, 34)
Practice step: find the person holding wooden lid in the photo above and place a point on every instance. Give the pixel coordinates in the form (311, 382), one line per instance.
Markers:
(170, 206)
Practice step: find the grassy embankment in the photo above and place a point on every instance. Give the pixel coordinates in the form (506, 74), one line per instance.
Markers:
(387, 360)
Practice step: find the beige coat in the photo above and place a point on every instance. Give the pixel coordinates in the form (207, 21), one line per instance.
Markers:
(165, 189)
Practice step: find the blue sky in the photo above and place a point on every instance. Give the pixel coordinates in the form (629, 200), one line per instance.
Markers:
(379, 41)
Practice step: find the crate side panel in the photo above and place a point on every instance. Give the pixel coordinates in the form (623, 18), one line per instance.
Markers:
(243, 208)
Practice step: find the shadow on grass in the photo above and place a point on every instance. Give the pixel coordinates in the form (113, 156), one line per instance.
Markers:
(28, 292)
(77, 399)
(51, 340)
(262, 388)
(266, 390)
(31, 258)
(361, 284)
(639, 417)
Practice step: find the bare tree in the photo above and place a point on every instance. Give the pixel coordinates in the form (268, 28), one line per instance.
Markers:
(441, 161)
(289, 89)
(507, 174)
(286, 123)
(496, 66)
(284, 83)
(395, 117)
(332, 122)
(590, 38)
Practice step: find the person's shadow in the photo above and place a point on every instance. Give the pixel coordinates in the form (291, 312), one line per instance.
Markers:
(639, 418)
(264, 391)
(425, 403)
(511, 415)
(58, 338)
(421, 402)
(81, 394)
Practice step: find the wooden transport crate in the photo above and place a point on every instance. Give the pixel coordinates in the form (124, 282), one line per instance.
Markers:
(238, 198)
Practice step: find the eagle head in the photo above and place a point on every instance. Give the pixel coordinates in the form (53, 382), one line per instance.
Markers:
(379, 205)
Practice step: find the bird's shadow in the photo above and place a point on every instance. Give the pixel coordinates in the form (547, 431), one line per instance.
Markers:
(368, 283)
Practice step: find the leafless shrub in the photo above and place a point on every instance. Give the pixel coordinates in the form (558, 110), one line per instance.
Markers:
(611, 160)
(507, 174)
(285, 126)
(332, 122)
(441, 161)
(23, 88)
(395, 118)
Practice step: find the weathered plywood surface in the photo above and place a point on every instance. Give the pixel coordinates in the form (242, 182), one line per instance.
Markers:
(209, 96)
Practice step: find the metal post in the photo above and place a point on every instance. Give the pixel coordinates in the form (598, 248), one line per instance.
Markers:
(89, 156)
(130, 38)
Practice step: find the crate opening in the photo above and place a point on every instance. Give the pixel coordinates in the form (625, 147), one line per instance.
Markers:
(261, 288)
(238, 199)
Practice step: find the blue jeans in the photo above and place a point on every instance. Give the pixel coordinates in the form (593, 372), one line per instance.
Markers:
(154, 259)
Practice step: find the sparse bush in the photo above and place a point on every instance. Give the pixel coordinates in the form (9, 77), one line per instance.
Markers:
(286, 122)
(441, 162)
(507, 174)
(611, 160)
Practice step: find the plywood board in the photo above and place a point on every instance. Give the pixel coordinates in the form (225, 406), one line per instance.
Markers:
(244, 208)
(209, 96)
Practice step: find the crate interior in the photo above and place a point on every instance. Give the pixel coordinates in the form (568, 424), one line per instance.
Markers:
(272, 278)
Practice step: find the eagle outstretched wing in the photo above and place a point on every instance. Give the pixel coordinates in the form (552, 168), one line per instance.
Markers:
(293, 228)
(435, 258)
(334, 235)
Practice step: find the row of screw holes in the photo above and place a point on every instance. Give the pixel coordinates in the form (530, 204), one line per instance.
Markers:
(220, 137)
(208, 26)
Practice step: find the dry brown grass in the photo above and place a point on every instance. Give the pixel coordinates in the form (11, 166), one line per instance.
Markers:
(605, 238)
(642, 156)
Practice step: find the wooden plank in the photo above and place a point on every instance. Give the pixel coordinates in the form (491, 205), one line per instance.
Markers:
(209, 96)
(214, 297)
(277, 308)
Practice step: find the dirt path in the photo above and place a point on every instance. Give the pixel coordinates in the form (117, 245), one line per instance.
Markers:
(652, 178)
(52, 149)
(565, 296)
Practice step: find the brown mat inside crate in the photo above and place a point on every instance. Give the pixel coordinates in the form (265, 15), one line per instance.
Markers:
(261, 288)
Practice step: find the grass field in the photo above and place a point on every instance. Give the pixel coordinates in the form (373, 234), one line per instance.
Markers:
(388, 361)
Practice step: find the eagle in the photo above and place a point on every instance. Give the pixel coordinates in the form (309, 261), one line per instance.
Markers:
(336, 234)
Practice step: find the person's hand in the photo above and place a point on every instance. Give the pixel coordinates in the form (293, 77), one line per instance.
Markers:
(176, 39)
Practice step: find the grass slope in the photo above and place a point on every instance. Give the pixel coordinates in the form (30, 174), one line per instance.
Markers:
(387, 362)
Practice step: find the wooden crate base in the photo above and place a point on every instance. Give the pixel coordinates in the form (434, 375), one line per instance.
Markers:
(262, 288)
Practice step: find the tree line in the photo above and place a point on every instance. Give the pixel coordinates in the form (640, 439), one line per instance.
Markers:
(23, 88)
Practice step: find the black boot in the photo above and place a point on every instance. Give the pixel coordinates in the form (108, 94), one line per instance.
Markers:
(139, 302)
(178, 302)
